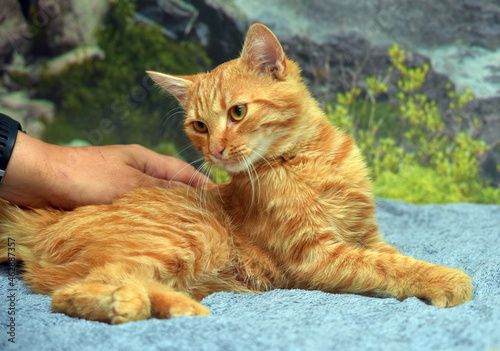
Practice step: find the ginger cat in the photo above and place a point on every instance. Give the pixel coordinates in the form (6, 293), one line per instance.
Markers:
(298, 213)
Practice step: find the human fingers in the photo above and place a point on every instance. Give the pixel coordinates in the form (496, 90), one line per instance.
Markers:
(176, 170)
(186, 173)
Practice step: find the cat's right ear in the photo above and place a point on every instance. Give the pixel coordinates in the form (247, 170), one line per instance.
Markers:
(262, 50)
(178, 86)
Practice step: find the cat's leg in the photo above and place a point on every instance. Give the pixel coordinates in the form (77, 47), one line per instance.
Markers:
(353, 270)
(117, 293)
(102, 302)
(167, 303)
(372, 240)
(383, 247)
(115, 305)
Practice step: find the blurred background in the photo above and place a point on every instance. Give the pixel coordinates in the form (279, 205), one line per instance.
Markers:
(417, 83)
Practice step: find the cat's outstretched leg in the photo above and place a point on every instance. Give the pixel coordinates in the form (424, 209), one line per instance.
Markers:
(116, 294)
(383, 247)
(352, 270)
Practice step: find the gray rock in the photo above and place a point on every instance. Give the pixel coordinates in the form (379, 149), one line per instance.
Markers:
(489, 131)
(33, 114)
(15, 35)
(71, 23)
(54, 65)
(219, 26)
(73, 57)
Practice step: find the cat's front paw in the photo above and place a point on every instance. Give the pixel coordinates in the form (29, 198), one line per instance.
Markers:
(129, 303)
(449, 288)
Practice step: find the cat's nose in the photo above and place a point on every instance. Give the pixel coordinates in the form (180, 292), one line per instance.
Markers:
(218, 153)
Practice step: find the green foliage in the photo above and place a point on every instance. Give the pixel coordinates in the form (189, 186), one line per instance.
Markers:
(410, 155)
(219, 176)
(113, 100)
(167, 148)
(417, 184)
(412, 79)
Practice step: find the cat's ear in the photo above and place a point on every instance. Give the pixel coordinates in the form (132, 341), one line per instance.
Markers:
(263, 51)
(178, 86)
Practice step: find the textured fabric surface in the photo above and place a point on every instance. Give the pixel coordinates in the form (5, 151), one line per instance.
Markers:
(457, 235)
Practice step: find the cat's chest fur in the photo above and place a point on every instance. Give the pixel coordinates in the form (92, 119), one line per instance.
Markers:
(294, 204)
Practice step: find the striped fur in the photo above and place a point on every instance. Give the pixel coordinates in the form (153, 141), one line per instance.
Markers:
(299, 212)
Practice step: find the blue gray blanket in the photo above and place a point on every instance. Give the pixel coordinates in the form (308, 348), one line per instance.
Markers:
(458, 235)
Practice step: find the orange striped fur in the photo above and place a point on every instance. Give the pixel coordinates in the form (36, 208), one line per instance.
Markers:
(298, 213)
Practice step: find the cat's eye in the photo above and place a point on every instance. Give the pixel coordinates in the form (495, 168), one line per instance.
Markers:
(200, 127)
(238, 112)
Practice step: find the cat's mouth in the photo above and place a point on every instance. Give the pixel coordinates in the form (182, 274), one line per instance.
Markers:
(237, 162)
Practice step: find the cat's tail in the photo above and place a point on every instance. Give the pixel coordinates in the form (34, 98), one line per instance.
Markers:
(18, 228)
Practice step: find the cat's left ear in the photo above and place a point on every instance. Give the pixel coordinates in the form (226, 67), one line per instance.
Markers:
(178, 86)
(262, 50)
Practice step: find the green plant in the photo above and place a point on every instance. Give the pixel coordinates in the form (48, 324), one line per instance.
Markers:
(414, 159)
(219, 176)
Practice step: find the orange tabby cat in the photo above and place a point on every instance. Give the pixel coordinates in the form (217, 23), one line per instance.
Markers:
(298, 213)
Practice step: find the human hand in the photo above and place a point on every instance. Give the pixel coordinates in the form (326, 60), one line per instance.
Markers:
(41, 174)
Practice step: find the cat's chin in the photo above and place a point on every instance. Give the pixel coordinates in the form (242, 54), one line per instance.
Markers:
(230, 166)
(233, 168)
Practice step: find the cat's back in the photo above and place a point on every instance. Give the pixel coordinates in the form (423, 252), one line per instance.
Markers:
(144, 222)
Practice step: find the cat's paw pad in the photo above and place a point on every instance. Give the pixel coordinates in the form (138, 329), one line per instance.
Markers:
(129, 303)
(453, 289)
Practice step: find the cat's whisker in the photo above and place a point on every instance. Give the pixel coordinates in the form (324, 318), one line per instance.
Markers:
(200, 169)
(265, 160)
(192, 176)
(250, 176)
(218, 188)
(175, 110)
(171, 114)
(189, 188)
(256, 175)
(205, 168)
(186, 148)
(252, 182)
(203, 190)
(204, 187)
(168, 116)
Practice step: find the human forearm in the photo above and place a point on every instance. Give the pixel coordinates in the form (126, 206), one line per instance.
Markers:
(28, 172)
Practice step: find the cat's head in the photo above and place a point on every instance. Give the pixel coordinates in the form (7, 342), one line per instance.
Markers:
(246, 109)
